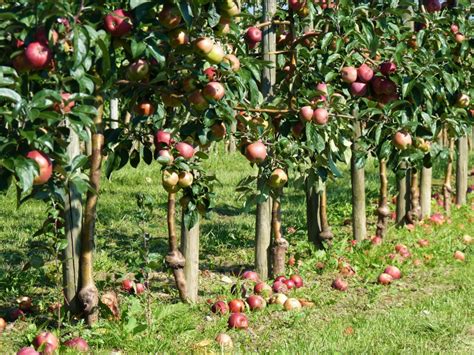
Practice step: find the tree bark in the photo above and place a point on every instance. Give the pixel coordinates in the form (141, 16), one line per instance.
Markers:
(359, 219)
(414, 214)
(383, 210)
(263, 219)
(462, 167)
(175, 258)
(425, 191)
(313, 223)
(403, 198)
(326, 234)
(280, 245)
(263, 239)
(73, 226)
(114, 113)
(231, 144)
(190, 251)
(89, 295)
(447, 179)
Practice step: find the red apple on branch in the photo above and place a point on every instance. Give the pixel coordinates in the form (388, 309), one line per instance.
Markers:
(45, 166)
(38, 55)
(118, 23)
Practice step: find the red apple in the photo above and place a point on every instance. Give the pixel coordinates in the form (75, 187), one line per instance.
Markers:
(15, 314)
(238, 321)
(454, 28)
(289, 283)
(162, 138)
(250, 275)
(232, 61)
(385, 279)
(400, 247)
(169, 17)
(189, 84)
(47, 342)
(139, 288)
(364, 73)
(323, 88)
(118, 23)
(237, 306)
(280, 278)
(280, 287)
(78, 344)
(203, 45)
(44, 164)
(387, 68)
(253, 36)
(320, 116)
(127, 285)
(358, 89)
(292, 304)
(263, 289)
(66, 105)
(432, 5)
(402, 140)
(178, 37)
(296, 5)
(340, 284)
(38, 55)
(393, 271)
(213, 91)
(198, 101)
(185, 150)
(459, 255)
(298, 280)
(306, 113)
(138, 70)
(144, 108)
(219, 130)
(388, 87)
(211, 73)
(220, 307)
(27, 351)
(349, 74)
(256, 152)
(256, 302)
(423, 242)
(376, 240)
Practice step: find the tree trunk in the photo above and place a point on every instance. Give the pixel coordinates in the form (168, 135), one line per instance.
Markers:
(462, 167)
(313, 223)
(73, 226)
(89, 295)
(359, 221)
(263, 219)
(280, 245)
(326, 234)
(403, 198)
(383, 210)
(414, 214)
(425, 188)
(231, 144)
(190, 250)
(263, 239)
(447, 179)
(114, 113)
(175, 258)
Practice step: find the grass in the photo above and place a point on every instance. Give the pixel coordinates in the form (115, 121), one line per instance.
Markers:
(431, 309)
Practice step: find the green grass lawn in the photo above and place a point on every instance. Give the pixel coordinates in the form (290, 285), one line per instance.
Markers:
(431, 309)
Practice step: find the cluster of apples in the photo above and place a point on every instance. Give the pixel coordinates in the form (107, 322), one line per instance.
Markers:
(47, 343)
(316, 112)
(363, 80)
(263, 294)
(132, 287)
(390, 273)
(173, 180)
